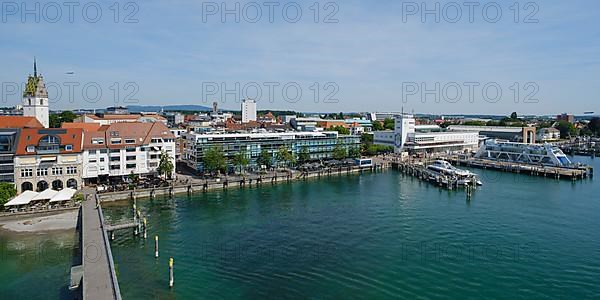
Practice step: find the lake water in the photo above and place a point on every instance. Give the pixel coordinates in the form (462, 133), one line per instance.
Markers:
(376, 236)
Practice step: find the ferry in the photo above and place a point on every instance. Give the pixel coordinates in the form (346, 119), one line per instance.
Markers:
(534, 154)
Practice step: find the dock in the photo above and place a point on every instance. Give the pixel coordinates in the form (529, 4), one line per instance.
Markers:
(574, 173)
(445, 181)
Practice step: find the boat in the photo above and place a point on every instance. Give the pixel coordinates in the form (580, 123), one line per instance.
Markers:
(444, 167)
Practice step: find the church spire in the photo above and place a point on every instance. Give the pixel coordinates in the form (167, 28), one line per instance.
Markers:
(34, 67)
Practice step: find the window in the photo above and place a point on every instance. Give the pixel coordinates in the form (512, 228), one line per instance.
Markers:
(69, 148)
(98, 141)
(42, 172)
(26, 173)
(30, 149)
(115, 141)
(115, 158)
(71, 170)
(57, 171)
(130, 149)
(115, 167)
(101, 159)
(130, 157)
(129, 141)
(130, 166)
(92, 160)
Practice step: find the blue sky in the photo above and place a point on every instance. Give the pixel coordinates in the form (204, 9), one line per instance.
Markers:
(172, 55)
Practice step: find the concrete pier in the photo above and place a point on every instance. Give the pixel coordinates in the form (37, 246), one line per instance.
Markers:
(99, 278)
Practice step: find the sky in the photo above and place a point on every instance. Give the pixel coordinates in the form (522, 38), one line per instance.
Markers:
(539, 57)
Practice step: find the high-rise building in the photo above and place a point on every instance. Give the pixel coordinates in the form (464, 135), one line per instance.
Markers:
(35, 98)
(248, 110)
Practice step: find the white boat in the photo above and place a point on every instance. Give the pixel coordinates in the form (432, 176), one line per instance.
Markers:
(444, 167)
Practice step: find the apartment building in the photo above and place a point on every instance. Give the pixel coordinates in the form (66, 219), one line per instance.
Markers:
(117, 150)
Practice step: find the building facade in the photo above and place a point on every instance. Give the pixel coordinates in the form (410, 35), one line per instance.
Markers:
(407, 137)
(248, 110)
(320, 145)
(48, 158)
(115, 151)
(9, 139)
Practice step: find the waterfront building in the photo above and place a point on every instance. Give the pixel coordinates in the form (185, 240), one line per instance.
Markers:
(539, 154)
(407, 136)
(120, 149)
(513, 134)
(248, 110)
(48, 158)
(320, 145)
(35, 98)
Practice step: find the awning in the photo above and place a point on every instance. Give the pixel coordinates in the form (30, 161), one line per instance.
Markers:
(64, 195)
(45, 195)
(22, 199)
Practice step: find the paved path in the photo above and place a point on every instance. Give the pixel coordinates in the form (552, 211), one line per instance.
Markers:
(99, 281)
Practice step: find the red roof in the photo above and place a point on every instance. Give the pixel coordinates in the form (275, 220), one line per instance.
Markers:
(85, 126)
(19, 122)
(67, 136)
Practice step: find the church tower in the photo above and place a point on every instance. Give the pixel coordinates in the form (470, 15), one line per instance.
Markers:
(35, 98)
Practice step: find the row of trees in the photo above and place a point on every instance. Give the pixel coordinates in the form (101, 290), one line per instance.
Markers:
(215, 160)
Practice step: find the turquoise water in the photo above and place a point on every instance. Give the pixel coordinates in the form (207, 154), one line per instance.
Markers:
(36, 266)
(372, 236)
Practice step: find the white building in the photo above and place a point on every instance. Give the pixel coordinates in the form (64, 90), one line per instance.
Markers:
(406, 137)
(124, 148)
(35, 98)
(248, 110)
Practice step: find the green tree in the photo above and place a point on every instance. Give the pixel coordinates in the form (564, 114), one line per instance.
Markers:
(594, 126)
(388, 123)
(265, 159)
(354, 152)
(341, 115)
(214, 160)
(339, 152)
(54, 121)
(165, 165)
(241, 160)
(7, 191)
(340, 129)
(566, 129)
(514, 115)
(67, 116)
(284, 156)
(304, 155)
(377, 126)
